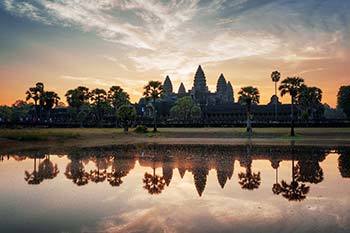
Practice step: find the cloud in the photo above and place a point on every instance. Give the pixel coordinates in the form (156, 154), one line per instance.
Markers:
(130, 85)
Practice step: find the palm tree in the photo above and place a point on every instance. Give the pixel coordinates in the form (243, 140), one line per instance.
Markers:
(291, 86)
(153, 90)
(35, 94)
(275, 76)
(248, 96)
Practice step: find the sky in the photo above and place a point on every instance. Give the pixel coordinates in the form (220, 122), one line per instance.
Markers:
(68, 43)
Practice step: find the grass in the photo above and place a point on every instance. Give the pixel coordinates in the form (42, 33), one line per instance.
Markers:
(82, 137)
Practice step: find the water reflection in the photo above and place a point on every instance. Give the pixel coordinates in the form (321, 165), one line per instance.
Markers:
(113, 164)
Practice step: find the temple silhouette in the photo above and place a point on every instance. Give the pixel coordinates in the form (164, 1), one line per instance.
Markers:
(217, 108)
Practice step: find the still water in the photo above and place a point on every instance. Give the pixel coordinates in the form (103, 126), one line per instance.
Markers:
(176, 188)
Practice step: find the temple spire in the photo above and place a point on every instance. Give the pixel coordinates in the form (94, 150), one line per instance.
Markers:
(182, 90)
(167, 85)
(221, 85)
(200, 82)
(229, 92)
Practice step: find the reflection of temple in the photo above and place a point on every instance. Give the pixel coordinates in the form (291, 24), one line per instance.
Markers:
(194, 160)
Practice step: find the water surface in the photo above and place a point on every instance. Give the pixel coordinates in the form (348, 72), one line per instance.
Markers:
(176, 188)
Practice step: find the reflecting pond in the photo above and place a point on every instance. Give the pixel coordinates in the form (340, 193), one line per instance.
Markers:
(176, 188)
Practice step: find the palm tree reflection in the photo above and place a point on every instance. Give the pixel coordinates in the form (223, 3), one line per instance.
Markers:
(248, 180)
(276, 187)
(295, 191)
(47, 169)
(33, 177)
(75, 171)
(153, 183)
(97, 176)
(120, 169)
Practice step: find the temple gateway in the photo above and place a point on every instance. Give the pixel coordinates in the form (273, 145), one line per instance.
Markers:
(217, 108)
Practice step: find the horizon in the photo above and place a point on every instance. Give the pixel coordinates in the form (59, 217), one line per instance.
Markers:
(66, 44)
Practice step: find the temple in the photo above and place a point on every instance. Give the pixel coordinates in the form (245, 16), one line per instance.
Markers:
(219, 107)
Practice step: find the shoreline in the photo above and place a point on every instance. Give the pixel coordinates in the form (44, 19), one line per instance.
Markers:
(18, 139)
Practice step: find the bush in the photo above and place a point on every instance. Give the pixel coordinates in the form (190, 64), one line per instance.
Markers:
(141, 129)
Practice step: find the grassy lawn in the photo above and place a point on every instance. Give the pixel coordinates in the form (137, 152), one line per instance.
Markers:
(35, 134)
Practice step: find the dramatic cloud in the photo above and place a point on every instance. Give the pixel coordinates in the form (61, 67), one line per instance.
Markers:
(174, 36)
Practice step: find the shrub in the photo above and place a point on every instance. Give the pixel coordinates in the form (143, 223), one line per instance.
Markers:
(141, 129)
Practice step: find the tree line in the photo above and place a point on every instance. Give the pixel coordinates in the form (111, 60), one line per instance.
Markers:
(93, 105)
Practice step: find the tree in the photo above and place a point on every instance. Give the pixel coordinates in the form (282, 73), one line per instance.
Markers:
(248, 96)
(309, 99)
(291, 86)
(47, 169)
(36, 94)
(343, 99)
(20, 110)
(153, 91)
(117, 97)
(275, 76)
(185, 109)
(50, 99)
(100, 103)
(78, 97)
(126, 113)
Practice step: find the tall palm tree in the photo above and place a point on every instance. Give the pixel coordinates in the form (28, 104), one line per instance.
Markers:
(291, 86)
(100, 103)
(248, 96)
(36, 94)
(153, 90)
(275, 76)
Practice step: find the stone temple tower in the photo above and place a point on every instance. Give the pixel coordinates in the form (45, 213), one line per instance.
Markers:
(229, 91)
(221, 86)
(200, 82)
(182, 90)
(167, 86)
